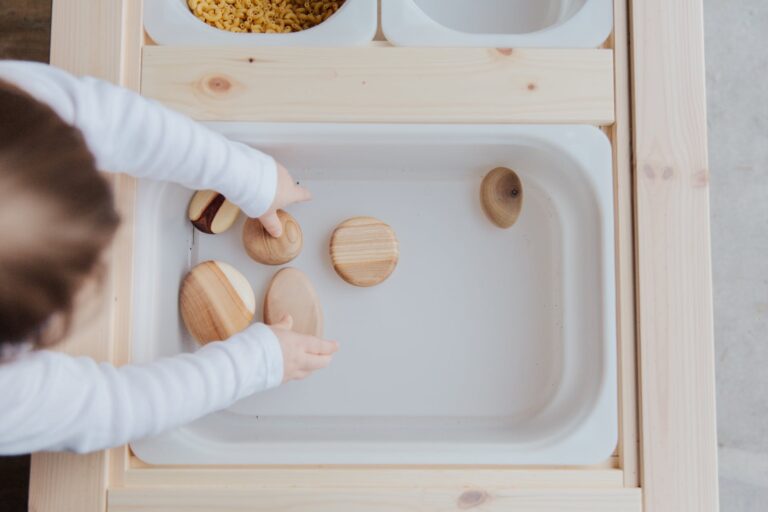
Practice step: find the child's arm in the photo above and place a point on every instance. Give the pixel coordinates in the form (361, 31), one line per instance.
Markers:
(52, 401)
(131, 134)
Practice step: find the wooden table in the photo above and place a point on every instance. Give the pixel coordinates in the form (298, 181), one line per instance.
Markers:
(646, 91)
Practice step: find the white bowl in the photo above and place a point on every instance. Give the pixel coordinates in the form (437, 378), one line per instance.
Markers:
(485, 346)
(497, 23)
(170, 22)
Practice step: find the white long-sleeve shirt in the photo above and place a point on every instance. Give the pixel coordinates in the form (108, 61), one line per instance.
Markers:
(54, 401)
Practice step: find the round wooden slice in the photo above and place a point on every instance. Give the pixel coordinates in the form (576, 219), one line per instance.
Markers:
(291, 292)
(211, 213)
(364, 251)
(216, 301)
(264, 248)
(501, 195)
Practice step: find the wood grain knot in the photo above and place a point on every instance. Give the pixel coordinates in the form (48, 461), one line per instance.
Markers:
(701, 178)
(649, 172)
(505, 51)
(472, 498)
(219, 84)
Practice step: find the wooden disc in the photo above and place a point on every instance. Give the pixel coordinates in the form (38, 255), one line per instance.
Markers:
(501, 195)
(211, 213)
(216, 301)
(264, 248)
(291, 292)
(364, 251)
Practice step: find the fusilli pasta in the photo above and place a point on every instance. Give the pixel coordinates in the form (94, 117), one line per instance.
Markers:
(263, 16)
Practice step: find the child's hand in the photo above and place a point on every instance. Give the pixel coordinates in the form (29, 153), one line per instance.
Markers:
(302, 354)
(288, 192)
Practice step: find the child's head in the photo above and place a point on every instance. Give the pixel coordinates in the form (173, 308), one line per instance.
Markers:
(56, 215)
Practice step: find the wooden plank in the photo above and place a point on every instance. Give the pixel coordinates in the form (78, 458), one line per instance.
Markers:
(77, 25)
(382, 84)
(125, 195)
(619, 134)
(63, 481)
(370, 477)
(361, 500)
(679, 444)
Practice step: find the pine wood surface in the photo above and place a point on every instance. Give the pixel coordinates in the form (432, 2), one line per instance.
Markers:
(674, 276)
(383, 84)
(384, 500)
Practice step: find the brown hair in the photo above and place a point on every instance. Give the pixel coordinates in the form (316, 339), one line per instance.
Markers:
(56, 215)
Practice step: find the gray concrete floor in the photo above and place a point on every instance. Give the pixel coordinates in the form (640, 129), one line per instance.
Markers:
(737, 94)
(737, 76)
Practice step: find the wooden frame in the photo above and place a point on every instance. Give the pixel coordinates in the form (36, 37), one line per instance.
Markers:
(673, 256)
(666, 459)
(455, 85)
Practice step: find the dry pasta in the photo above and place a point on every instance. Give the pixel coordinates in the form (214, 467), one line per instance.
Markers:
(263, 16)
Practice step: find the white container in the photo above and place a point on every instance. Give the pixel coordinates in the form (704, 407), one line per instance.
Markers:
(497, 23)
(485, 346)
(170, 22)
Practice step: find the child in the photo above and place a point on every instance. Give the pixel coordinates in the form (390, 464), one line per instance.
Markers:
(56, 218)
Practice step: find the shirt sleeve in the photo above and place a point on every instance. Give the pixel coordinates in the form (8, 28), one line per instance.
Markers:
(53, 401)
(131, 134)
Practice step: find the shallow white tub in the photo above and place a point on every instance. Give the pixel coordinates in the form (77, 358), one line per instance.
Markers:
(497, 23)
(485, 346)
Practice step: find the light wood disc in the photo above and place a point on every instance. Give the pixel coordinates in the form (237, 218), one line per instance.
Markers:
(501, 195)
(291, 292)
(216, 301)
(364, 251)
(264, 248)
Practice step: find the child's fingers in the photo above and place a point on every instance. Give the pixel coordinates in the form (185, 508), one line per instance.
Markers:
(321, 346)
(314, 362)
(271, 223)
(300, 194)
(285, 323)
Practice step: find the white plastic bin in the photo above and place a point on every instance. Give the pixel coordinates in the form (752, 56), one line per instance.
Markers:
(170, 22)
(485, 346)
(497, 23)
